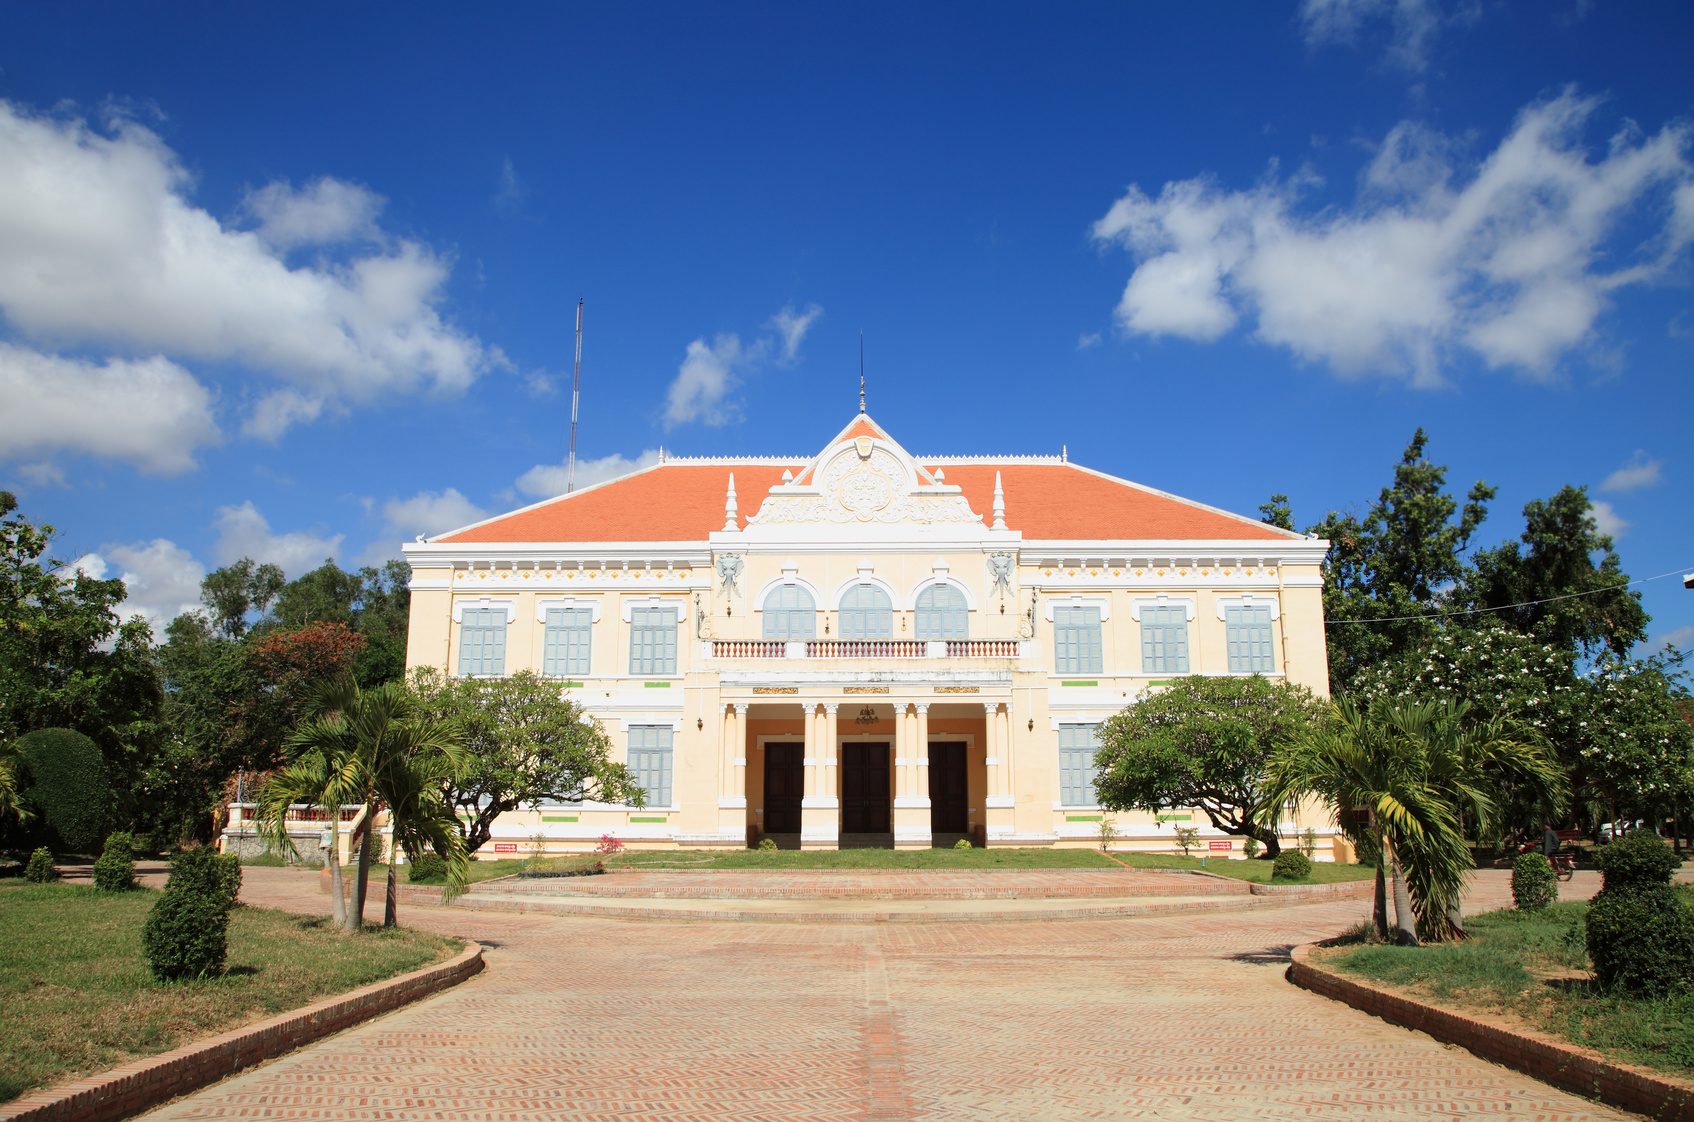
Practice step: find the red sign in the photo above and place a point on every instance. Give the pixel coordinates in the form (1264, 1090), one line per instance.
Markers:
(505, 847)
(1224, 844)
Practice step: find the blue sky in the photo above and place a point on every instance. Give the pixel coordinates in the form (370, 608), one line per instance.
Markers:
(300, 281)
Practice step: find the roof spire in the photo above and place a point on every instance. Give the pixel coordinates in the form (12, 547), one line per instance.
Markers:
(861, 370)
(999, 505)
(730, 523)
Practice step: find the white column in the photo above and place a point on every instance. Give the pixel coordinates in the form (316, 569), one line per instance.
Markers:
(920, 755)
(726, 729)
(991, 746)
(901, 739)
(811, 750)
(741, 751)
(831, 751)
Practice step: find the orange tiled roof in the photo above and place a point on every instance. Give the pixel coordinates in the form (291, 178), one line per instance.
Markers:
(684, 502)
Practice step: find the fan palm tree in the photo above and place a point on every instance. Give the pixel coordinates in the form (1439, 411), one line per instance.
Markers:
(413, 784)
(313, 779)
(362, 747)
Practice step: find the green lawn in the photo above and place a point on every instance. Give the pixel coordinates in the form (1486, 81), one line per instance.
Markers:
(78, 997)
(1322, 873)
(1534, 965)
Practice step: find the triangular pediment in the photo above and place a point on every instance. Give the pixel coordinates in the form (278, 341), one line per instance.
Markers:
(864, 477)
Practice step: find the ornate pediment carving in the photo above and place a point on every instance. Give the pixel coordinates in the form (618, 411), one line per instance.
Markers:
(865, 481)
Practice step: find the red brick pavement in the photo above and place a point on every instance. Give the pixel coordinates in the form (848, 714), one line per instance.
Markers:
(1180, 1017)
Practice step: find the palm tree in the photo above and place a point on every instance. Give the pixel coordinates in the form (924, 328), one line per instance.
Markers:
(372, 748)
(413, 784)
(11, 801)
(313, 779)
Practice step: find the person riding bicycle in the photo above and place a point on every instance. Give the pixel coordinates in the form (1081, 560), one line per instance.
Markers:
(1549, 841)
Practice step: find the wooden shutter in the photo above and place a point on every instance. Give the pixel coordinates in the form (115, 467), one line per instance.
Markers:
(790, 613)
(867, 613)
(942, 613)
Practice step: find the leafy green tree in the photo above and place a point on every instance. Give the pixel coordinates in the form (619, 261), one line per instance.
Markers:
(1393, 563)
(524, 743)
(65, 788)
(1550, 587)
(1637, 754)
(1277, 512)
(234, 592)
(376, 603)
(1204, 742)
(12, 808)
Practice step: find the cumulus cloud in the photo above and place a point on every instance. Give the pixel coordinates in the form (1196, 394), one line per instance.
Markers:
(1411, 25)
(543, 481)
(1512, 263)
(428, 512)
(791, 327)
(1682, 639)
(1607, 520)
(161, 579)
(324, 212)
(1637, 473)
(710, 371)
(101, 247)
(244, 532)
(150, 412)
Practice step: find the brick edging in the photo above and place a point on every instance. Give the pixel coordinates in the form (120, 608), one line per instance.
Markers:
(1566, 1066)
(145, 1083)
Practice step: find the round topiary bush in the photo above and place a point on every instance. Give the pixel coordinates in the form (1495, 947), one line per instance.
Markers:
(427, 867)
(1250, 847)
(40, 869)
(66, 788)
(1533, 884)
(115, 869)
(962, 843)
(186, 934)
(1640, 935)
(1291, 864)
(767, 843)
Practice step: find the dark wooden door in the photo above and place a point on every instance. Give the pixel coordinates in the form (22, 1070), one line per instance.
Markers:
(947, 797)
(785, 783)
(864, 788)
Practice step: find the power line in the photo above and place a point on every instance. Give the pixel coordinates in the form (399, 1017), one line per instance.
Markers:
(1508, 607)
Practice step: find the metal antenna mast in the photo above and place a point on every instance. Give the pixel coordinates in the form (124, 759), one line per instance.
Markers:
(576, 394)
(861, 371)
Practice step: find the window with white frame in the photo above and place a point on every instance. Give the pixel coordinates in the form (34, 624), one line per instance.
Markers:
(867, 613)
(1164, 639)
(1076, 640)
(652, 641)
(790, 613)
(482, 642)
(1247, 631)
(650, 756)
(564, 644)
(1077, 746)
(942, 613)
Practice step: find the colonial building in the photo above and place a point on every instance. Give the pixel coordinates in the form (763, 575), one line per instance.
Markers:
(864, 647)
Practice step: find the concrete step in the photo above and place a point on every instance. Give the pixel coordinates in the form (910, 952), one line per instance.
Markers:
(1034, 884)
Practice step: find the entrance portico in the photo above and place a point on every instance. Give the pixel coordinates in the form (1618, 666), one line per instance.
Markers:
(907, 766)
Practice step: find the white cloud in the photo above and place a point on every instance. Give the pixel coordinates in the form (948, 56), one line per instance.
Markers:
(243, 532)
(1638, 472)
(513, 190)
(1607, 520)
(430, 513)
(324, 212)
(543, 481)
(1087, 340)
(1412, 24)
(792, 326)
(707, 374)
(150, 412)
(1682, 639)
(99, 246)
(1505, 266)
(161, 579)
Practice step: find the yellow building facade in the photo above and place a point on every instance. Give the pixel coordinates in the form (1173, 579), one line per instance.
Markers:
(865, 647)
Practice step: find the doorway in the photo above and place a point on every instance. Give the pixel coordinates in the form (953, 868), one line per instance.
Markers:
(785, 783)
(948, 798)
(865, 803)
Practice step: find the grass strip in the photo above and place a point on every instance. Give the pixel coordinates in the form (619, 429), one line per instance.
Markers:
(1534, 965)
(79, 998)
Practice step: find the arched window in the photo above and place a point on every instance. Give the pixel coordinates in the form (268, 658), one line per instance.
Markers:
(867, 613)
(790, 613)
(942, 613)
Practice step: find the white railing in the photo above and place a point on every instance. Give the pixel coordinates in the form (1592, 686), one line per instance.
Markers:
(863, 648)
(739, 648)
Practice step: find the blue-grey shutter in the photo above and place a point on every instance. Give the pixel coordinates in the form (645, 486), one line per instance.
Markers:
(1164, 640)
(942, 613)
(790, 613)
(650, 761)
(1076, 640)
(565, 642)
(1248, 632)
(867, 613)
(652, 641)
(1077, 747)
(482, 641)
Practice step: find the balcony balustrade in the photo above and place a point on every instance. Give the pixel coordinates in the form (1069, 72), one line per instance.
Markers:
(866, 648)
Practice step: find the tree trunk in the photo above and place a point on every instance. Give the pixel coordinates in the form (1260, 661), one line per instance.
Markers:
(391, 897)
(1456, 920)
(338, 908)
(1405, 923)
(1379, 910)
(361, 884)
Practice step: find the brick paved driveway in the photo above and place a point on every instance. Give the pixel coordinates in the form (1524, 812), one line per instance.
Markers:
(1183, 1017)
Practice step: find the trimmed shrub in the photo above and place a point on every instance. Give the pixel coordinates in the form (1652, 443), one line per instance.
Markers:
(1291, 864)
(1250, 847)
(1533, 884)
(767, 843)
(186, 934)
(427, 866)
(1640, 935)
(962, 843)
(40, 869)
(115, 869)
(66, 788)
